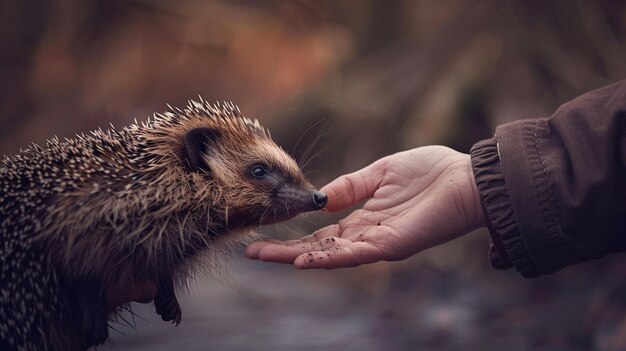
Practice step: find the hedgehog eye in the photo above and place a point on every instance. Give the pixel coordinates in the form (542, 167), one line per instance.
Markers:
(258, 171)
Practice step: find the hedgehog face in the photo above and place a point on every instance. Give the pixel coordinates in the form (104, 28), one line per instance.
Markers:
(257, 181)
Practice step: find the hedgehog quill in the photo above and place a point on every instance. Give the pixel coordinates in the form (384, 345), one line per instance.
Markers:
(117, 207)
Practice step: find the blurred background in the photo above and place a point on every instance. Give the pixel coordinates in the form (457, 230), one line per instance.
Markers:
(356, 80)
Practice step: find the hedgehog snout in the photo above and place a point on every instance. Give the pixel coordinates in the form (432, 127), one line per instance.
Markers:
(319, 200)
(303, 200)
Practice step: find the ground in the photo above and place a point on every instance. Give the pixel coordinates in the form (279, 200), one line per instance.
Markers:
(411, 305)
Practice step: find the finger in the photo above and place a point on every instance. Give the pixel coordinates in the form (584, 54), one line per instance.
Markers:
(331, 230)
(353, 188)
(357, 253)
(252, 251)
(288, 253)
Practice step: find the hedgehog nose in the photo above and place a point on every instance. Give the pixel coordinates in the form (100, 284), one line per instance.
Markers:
(319, 200)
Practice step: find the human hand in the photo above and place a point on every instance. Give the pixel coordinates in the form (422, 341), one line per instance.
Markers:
(416, 199)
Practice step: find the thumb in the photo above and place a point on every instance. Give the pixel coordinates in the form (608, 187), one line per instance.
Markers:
(353, 188)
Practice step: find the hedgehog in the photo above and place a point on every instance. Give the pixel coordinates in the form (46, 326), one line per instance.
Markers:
(146, 203)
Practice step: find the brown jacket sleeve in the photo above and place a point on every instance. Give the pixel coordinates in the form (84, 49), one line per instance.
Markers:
(554, 189)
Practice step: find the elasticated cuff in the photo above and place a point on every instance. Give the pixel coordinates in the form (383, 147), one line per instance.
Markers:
(508, 248)
(527, 151)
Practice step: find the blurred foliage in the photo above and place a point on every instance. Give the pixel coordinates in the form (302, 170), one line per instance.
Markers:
(357, 80)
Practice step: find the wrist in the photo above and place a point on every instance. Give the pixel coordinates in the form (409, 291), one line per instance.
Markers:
(477, 214)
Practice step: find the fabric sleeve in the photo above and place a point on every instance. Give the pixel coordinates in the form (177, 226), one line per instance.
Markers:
(554, 189)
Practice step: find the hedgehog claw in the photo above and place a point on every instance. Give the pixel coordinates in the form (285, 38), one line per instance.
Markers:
(169, 310)
(166, 303)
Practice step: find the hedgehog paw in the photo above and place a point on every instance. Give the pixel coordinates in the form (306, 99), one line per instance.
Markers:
(92, 328)
(169, 311)
(93, 331)
(167, 305)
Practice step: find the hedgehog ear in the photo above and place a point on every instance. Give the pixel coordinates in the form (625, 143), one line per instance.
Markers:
(198, 141)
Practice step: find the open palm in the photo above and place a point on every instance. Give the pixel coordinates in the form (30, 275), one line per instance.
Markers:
(416, 199)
